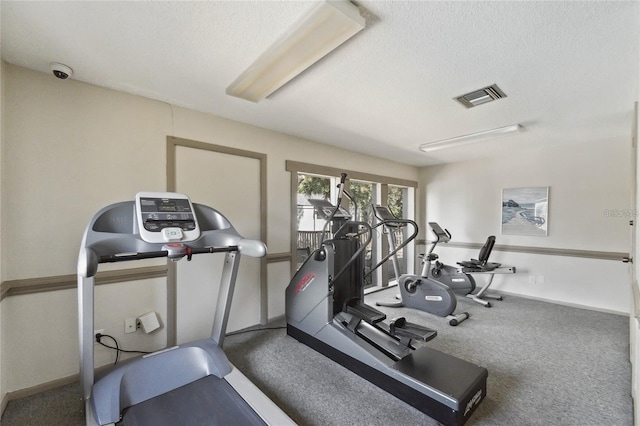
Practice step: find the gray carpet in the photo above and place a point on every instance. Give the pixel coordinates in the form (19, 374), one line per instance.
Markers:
(548, 365)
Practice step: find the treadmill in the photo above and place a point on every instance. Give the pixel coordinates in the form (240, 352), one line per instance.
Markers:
(188, 384)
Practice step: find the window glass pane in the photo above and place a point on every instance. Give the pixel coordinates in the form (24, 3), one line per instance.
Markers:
(363, 194)
(396, 201)
(358, 198)
(309, 224)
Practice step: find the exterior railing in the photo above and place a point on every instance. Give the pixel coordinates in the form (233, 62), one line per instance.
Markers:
(308, 241)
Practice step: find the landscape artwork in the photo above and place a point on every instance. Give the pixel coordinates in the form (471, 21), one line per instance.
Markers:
(524, 211)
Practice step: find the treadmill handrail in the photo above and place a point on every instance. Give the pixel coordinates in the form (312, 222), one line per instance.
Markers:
(112, 258)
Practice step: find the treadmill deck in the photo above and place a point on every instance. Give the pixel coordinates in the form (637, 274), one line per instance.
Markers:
(207, 401)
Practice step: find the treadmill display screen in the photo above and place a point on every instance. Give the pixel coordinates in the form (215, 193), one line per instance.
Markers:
(160, 213)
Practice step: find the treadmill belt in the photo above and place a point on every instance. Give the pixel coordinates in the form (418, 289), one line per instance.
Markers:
(208, 401)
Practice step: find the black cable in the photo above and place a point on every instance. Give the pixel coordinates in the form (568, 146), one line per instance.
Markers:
(118, 350)
(117, 347)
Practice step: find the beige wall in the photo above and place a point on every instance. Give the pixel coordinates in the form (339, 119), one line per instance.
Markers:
(584, 181)
(73, 148)
(70, 149)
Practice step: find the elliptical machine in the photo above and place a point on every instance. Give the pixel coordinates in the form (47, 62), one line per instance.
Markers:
(417, 291)
(325, 310)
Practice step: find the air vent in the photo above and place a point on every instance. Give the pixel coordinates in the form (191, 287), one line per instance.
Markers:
(482, 96)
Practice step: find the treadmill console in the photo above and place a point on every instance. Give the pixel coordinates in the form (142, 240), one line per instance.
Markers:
(165, 217)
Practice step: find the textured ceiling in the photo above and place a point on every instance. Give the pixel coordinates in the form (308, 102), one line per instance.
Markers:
(570, 69)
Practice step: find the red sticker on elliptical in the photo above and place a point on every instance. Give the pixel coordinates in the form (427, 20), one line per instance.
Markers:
(304, 282)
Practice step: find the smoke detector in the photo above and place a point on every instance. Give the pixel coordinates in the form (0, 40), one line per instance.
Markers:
(481, 96)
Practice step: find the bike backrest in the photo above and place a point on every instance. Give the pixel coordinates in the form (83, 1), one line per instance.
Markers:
(485, 251)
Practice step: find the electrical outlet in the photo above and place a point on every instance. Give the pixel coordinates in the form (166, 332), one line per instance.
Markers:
(532, 279)
(101, 331)
(130, 325)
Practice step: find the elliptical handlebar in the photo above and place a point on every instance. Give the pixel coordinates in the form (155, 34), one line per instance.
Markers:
(343, 178)
(396, 222)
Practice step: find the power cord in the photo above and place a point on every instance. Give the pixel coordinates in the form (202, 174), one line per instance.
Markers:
(99, 336)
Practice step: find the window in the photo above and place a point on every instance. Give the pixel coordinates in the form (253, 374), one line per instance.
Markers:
(317, 182)
(309, 225)
(363, 195)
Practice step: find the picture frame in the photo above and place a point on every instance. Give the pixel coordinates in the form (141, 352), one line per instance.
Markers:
(525, 211)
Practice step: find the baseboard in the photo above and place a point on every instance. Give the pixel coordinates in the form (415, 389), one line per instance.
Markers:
(542, 299)
(33, 390)
(558, 302)
(376, 289)
(43, 387)
(275, 319)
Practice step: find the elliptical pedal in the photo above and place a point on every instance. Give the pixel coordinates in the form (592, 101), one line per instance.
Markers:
(363, 311)
(400, 327)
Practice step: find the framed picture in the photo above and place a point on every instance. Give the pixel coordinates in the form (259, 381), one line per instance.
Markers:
(525, 211)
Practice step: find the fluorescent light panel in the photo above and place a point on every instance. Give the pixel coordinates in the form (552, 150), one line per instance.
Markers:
(325, 27)
(470, 138)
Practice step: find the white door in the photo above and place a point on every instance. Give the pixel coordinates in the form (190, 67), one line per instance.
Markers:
(230, 184)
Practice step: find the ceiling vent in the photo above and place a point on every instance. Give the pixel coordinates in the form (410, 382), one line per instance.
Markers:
(482, 96)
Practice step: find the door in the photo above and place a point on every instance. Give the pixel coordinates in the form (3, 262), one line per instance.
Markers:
(229, 183)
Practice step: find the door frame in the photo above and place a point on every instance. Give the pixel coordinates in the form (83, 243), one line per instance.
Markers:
(172, 144)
